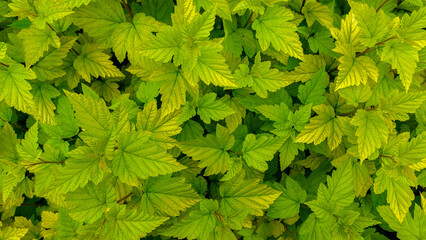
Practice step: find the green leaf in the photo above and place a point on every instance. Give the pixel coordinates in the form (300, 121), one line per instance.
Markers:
(49, 11)
(403, 57)
(99, 19)
(354, 71)
(200, 224)
(211, 150)
(288, 203)
(138, 157)
(240, 193)
(43, 94)
(11, 233)
(211, 109)
(128, 36)
(275, 27)
(323, 126)
(266, 78)
(167, 196)
(96, 199)
(36, 42)
(411, 228)
(315, 11)
(93, 62)
(128, 225)
(374, 25)
(257, 151)
(17, 90)
(372, 132)
(310, 65)
(313, 91)
(399, 193)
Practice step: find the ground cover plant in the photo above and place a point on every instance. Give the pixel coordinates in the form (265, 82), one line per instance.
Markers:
(202, 119)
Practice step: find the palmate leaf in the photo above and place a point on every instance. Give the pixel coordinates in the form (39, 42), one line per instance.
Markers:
(310, 65)
(315, 11)
(258, 151)
(372, 132)
(43, 95)
(274, 27)
(93, 62)
(200, 224)
(399, 193)
(167, 196)
(211, 109)
(49, 11)
(128, 225)
(354, 71)
(323, 126)
(411, 228)
(96, 198)
(403, 57)
(240, 193)
(313, 90)
(288, 203)
(138, 157)
(16, 90)
(36, 42)
(211, 150)
(127, 37)
(99, 19)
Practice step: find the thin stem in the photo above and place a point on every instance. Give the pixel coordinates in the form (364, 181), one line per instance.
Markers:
(43, 162)
(248, 20)
(50, 26)
(4, 64)
(303, 4)
(371, 48)
(397, 4)
(124, 198)
(381, 5)
(390, 157)
(127, 8)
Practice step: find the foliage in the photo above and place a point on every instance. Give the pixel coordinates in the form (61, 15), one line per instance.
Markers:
(202, 119)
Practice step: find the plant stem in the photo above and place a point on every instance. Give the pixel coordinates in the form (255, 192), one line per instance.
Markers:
(43, 162)
(127, 8)
(390, 157)
(57, 34)
(4, 64)
(248, 20)
(370, 48)
(381, 5)
(124, 198)
(303, 4)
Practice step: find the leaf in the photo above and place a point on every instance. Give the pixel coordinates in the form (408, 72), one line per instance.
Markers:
(240, 193)
(313, 91)
(211, 109)
(403, 57)
(167, 196)
(354, 71)
(211, 150)
(127, 37)
(275, 27)
(93, 62)
(36, 42)
(49, 11)
(374, 25)
(138, 157)
(17, 93)
(43, 94)
(222, 7)
(258, 151)
(323, 126)
(11, 233)
(310, 65)
(315, 11)
(266, 78)
(412, 152)
(99, 18)
(97, 199)
(288, 203)
(94, 118)
(399, 193)
(372, 132)
(200, 224)
(128, 225)
(410, 228)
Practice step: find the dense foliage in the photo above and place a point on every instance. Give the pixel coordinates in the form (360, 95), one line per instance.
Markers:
(212, 119)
